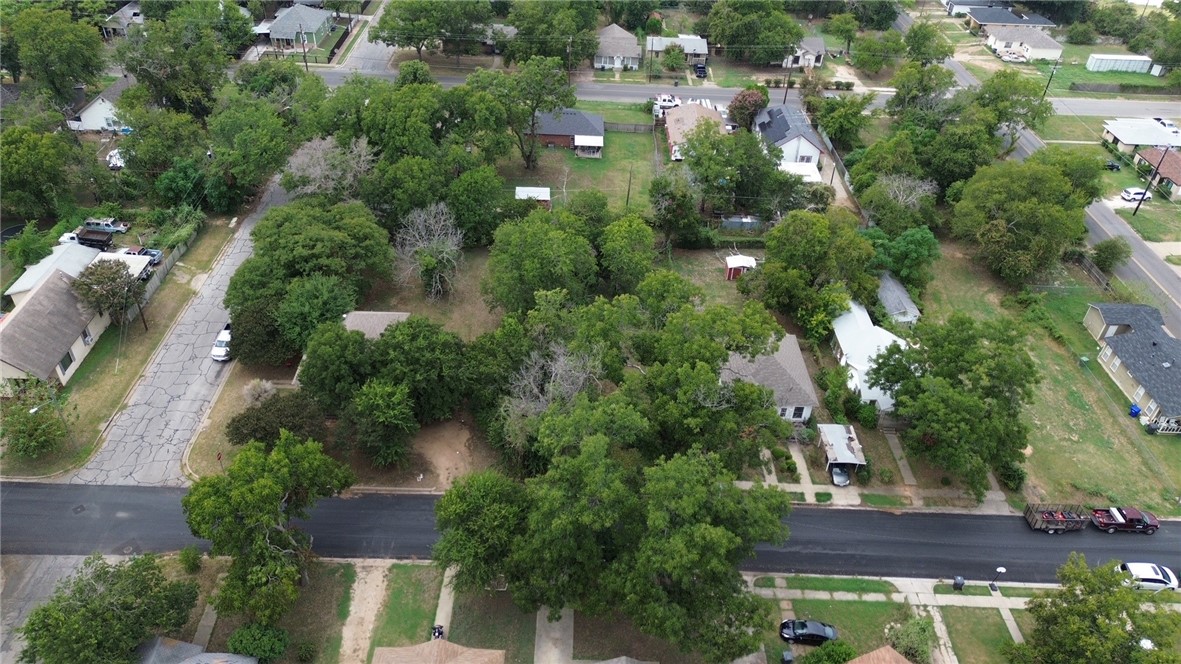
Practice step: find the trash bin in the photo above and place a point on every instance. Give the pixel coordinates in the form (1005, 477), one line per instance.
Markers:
(957, 583)
(788, 658)
(1134, 411)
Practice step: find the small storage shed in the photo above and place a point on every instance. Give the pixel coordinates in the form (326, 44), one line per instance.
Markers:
(841, 445)
(1118, 62)
(539, 194)
(737, 265)
(741, 222)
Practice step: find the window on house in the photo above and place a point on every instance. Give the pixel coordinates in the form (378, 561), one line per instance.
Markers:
(1139, 393)
(1115, 364)
(64, 365)
(87, 338)
(798, 413)
(805, 159)
(1151, 407)
(782, 412)
(1105, 354)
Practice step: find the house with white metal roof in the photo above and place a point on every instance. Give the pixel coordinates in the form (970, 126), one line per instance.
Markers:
(856, 342)
(1127, 134)
(70, 257)
(696, 48)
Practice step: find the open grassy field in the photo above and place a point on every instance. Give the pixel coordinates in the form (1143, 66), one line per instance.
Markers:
(1072, 128)
(317, 616)
(614, 111)
(706, 269)
(412, 595)
(1156, 221)
(628, 165)
(118, 358)
(608, 636)
(1074, 69)
(491, 620)
(977, 635)
(1079, 427)
(861, 624)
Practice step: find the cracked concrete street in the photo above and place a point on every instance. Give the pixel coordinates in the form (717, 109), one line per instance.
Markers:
(147, 439)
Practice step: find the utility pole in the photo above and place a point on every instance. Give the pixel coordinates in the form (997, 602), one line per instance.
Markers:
(1057, 63)
(1164, 152)
(787, 83)
(303, 40)
(628, 201)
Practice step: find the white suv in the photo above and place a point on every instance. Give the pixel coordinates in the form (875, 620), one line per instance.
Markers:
(1148, 576)
(1135, 194)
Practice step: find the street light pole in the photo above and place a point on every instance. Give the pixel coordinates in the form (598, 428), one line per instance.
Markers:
(992, 584)
(1164, 151)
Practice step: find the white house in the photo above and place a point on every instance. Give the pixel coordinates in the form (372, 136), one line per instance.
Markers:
(784, 373)
(618, 49)
(809, 54)
(100, 114)
(788, 129)
(1032, 43)
(136, 265)
(696, 48)
(1127, 134)
(71, 258)
(856, 342)
(49, 332)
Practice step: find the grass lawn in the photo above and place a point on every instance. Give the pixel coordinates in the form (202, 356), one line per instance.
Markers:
(861, 624)
(1173, 259)
(729, 73)
(491, 620)
(409, 611)
(796, 496)
(317, 617)
(764, 582)
(627, 158)
(883, 500)
(608, 636)
(706, 271)
(1156, 221)
(1024, 620)
(1020, 591)
(1079, 427)
(977, 635)
(623, 76)
(462, 312)
(1071, 73)
(1072, 128)
(614, 111)
(118, 358)
(840, 584)
(975, 591)
(823, 497)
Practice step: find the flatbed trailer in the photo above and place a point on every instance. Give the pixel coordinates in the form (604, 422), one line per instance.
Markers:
(1054, 519)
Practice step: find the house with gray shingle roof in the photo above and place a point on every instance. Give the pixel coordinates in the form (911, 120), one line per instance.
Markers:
(372, 323)
(618, 49)
(789, 129)
(572, 129)
(896, 300)
(810, 53)
(696, 48)
(290, 23)
(49, 333)
(784, 373)
(1142, 358)
(988, 18)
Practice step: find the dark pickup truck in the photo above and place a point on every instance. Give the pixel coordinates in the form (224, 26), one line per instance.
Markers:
(1131, 519)
(101, 240)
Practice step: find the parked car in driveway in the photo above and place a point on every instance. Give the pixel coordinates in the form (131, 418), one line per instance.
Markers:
(221, 345)
(1147, 576)
(840, 475)
(1111, 165)
(808, 632)
(155, 254)
(1135, 194)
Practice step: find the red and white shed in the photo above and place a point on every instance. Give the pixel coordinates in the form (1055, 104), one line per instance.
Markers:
(737, 264)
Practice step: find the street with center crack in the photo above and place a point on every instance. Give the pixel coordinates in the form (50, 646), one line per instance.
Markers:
(49, 519)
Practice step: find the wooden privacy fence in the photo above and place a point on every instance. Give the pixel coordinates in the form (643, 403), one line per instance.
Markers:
(627, 127)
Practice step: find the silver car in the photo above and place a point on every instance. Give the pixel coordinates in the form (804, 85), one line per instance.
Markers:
(840, 475)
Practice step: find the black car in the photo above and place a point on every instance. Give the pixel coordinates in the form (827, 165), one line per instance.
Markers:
(808, 632)
(1111, 166)
(700, 71)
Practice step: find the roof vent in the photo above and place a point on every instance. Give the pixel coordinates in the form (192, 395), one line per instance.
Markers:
(1166, 364)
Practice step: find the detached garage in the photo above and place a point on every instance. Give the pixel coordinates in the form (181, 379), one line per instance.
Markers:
(1118, 62)
(841, 446)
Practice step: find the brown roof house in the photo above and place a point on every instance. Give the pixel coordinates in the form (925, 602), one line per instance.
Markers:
(1142, 358)
(1168, 178)
(49, 332)
(784, 373)
(680, 120)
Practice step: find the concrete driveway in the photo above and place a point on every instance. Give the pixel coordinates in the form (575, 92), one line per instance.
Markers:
(145, 441)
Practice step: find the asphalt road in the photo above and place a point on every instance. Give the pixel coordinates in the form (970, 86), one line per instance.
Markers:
(45, 519)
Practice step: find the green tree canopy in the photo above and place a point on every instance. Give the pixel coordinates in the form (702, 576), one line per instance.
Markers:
(564, 30)
(57, 52)
(104, 610)
(182, 66)
(380, 420)
(872, 54)
(1020, 215)
(247, 513)
(479, 519)
(1094, 616)
(34, 171)
(755, 31)
(531, 255)
(108, 287)
(844, 26)
(426, 358)
(538, 86)
(627, 253)
(962, 385)
(844, 118)
(337, 363)
(926, 43)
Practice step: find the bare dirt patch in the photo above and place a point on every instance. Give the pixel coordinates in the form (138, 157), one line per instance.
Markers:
(440, 454)
(368, 596)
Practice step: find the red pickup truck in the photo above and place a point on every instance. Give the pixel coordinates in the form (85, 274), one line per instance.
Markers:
(1112, 519)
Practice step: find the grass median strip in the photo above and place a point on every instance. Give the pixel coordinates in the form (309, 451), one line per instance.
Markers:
(974, 591)
(840, 584)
